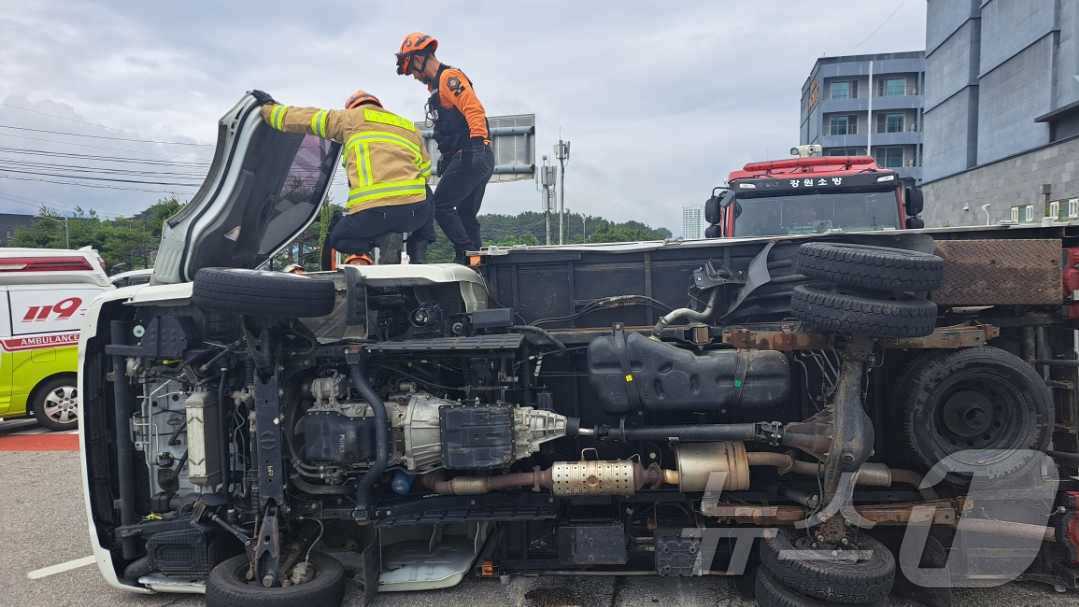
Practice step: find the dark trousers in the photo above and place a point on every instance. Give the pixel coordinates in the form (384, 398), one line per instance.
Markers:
(459, 195)
(358, 233)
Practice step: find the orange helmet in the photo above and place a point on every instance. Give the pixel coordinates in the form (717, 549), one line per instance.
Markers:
(359, 98)
(362, 259)
(416, 43)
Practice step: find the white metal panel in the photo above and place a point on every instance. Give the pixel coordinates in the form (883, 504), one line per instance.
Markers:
(513, 141)
(40, 309)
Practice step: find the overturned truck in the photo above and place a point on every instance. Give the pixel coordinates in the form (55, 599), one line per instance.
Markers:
(829, 417)
(599, 409)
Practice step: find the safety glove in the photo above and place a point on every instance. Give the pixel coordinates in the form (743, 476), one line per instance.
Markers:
(262, 97)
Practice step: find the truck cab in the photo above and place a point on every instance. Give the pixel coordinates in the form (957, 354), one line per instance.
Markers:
(812, 195)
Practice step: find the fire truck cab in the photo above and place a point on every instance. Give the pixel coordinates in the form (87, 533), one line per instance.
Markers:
(812, 195)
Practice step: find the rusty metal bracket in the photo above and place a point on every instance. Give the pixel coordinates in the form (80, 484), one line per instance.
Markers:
(791, 337)
(947, 338)
(945, 512)
(785, 337)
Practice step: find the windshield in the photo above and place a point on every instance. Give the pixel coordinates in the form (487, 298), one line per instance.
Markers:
(279, 190)
(815, 213)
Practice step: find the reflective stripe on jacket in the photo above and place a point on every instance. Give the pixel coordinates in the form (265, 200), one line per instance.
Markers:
(384, 157)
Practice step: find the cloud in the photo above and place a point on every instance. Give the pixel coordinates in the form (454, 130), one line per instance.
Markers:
(660, 101)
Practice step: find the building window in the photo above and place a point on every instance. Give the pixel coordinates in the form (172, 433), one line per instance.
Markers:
(890, 123)
(844, 151)
(890, 157)
(841, 89)
(1028, 214)
(895, 87)
(1073, 208)
(843, 125)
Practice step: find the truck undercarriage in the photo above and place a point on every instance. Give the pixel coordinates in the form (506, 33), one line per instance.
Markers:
(651, 409)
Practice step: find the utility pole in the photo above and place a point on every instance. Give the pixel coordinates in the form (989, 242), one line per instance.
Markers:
(548, 181)
(561, 152)
(67, 232)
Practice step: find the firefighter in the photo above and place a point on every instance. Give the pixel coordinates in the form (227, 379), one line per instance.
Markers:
(463, 137)
(387, 168)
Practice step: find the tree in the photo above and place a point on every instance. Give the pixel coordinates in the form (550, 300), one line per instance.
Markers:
(129, 243)
(125, 243)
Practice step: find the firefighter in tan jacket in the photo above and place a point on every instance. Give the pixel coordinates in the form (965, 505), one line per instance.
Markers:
(387, 168)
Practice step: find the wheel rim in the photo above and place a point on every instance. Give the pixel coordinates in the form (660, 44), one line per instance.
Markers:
(62, 405)
(968, 415)
(978, 415)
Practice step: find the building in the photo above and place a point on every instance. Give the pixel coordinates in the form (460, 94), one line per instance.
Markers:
(856, 103)
(691, 223)
(1001, 109)
(9, 222)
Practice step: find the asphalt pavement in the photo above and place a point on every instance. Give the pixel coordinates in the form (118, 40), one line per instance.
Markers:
(43, 523)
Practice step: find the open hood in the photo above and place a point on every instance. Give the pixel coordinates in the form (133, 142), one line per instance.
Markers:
(263, 189)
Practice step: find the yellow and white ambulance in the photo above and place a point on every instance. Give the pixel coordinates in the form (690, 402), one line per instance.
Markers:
(43, 298)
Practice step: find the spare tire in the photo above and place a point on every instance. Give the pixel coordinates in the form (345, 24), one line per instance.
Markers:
(771, 593)
(227, 586)
(826, 574)
(856, 315)
(983, 401)
(869, 267)
(259, 293)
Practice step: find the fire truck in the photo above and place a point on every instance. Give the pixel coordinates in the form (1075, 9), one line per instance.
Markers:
(812, 194)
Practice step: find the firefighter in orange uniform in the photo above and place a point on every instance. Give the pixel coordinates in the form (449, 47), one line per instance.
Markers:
(386, 164)
(463, 137)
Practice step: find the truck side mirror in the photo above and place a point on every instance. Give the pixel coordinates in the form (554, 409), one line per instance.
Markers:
(713, 207)
(915, 201)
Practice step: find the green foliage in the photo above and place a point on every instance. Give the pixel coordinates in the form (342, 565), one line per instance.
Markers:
(130, 243)
(529, 228)
(306, 249)
(126, 243)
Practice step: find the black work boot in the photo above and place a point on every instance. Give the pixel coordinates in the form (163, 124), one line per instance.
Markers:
(417, 250)
(460, 257)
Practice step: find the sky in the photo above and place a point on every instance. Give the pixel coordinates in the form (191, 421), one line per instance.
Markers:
(660, 101)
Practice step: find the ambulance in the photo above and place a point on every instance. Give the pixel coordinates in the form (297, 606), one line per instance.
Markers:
(44, 294)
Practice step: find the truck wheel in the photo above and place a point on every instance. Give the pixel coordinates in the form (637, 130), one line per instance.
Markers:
(259, 293)
(227, 586)
(867, 267)
(770, 593)
(856, 315)
(984, 409)
(56, 404)
(789, 559)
